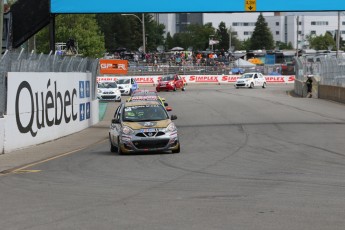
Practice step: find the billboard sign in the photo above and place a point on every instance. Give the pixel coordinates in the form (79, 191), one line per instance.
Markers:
(113, 66)
(192, 6)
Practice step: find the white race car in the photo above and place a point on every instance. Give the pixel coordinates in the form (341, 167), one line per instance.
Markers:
(127, 85)
(108, 90)
(250, 80)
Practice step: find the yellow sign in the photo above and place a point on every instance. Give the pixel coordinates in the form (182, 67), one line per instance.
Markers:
(250, 5)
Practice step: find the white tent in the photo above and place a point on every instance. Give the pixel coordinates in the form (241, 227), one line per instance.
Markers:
(243, 63)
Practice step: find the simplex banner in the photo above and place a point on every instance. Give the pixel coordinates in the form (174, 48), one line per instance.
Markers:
(218, 79)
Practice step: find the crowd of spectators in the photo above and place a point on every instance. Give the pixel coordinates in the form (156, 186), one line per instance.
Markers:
(177, 58)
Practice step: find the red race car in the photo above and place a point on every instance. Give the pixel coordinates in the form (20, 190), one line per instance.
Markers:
(170, 82)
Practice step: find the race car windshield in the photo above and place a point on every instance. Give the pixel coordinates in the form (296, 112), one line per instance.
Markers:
(123, 81)
(247, 76)
(107, 85)
(168, 78)
(144, 113)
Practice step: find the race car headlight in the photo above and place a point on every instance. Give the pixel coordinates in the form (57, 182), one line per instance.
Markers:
(171, 127)
(99, 91)
(126, 130)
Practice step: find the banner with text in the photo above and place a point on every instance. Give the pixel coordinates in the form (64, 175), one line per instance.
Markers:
(215, 79)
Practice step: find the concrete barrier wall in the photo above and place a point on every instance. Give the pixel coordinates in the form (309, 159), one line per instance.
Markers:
(45, 106)
(301, 89)
(334, 93)
(2, 134)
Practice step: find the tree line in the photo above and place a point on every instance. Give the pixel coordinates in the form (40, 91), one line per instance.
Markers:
(97, 34)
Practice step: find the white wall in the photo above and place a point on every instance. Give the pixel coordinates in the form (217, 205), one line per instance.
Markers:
(45, 106)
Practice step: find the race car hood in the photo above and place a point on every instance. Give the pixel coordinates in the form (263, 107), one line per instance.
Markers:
(164, 82)
(148, 124)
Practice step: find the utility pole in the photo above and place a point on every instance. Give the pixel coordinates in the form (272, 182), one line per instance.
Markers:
(338, 34)
(1, 21)
(297, 23)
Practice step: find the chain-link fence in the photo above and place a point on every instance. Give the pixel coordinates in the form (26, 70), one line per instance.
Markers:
(330, 69)
(22, 61)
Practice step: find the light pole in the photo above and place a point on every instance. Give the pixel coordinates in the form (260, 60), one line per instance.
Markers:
(210, 41)
(142, 20)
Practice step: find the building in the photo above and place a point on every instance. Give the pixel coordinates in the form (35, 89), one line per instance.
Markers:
(283, 26)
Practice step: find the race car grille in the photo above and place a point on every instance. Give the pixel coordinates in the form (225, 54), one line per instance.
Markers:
(108, 92)
(150, 134)
(151, 144)
(108, 97)
(241, 84)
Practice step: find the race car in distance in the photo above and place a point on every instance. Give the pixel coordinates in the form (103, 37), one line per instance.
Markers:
(150, 98)
(250, 80)
(108, 90)
(170, 82)
(144, 92)
(143, 126)
(127, 85)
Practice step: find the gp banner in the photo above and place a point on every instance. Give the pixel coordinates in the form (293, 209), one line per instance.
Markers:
(207, 79)
(113, 66)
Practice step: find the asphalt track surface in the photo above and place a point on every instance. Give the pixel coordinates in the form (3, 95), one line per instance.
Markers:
(257, 159)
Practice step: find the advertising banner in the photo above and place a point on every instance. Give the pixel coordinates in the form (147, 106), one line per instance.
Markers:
(113, 66)
(45, 106)
(207, 79)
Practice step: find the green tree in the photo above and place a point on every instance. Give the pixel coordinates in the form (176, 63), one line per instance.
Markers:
(246, 44)
(235, 42)
(196, 36)
(126, 31)
(155, 32)
(223, 36)
(283, 46)
(262, 37)
(169, 42)
(83, 28)
(321, 42)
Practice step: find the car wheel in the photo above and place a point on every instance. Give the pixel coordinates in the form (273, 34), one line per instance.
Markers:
(157, 90)
(183, 88)
(113, 148)
(175, 88)
(177, 150)
(119, 150)
(251, 85)
(264, 85)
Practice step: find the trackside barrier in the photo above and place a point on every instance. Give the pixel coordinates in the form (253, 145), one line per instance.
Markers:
(2, 134)
(44, 106)
(215, 79)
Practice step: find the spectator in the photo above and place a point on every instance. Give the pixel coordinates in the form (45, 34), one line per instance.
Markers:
(309, 84)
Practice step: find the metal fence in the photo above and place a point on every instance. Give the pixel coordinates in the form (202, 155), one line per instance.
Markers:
(22, 61)
(330, 69)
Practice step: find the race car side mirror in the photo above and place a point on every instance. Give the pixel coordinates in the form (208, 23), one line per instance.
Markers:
(173, 117)
(115, 121)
